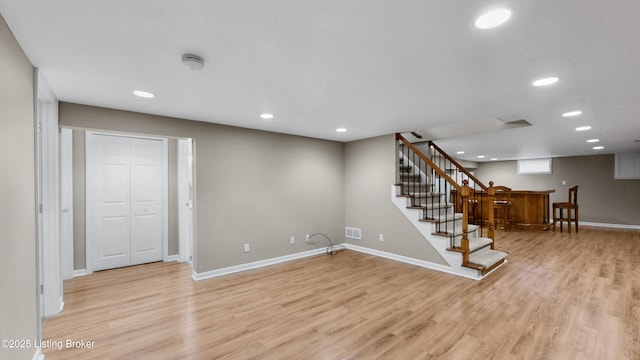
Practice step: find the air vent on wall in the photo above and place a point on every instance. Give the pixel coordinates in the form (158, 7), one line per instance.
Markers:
(353, 233)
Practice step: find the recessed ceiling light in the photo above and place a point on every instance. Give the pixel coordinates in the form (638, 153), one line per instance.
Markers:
(598, 147)
(545, 81)
(493, 18)
(583, 128)
(460, 152)
(266, 116)
(341, 130)
(480, 156)
(143, 94)
(494, 159)
(593, 140)
(572, 113)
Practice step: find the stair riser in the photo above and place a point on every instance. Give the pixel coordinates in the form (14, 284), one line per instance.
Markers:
(449, 225)
(431, 201)
(417, 188)
(410, 177)
(437, 213)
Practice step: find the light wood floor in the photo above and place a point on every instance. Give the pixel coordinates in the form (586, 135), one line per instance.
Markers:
(561, 296)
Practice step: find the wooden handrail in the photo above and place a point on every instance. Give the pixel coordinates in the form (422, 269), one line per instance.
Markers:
(460, 167)
(429, 162)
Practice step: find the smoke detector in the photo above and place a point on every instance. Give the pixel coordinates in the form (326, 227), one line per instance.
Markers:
(194, 62)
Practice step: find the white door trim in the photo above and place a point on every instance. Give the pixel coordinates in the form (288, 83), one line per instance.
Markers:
(66, 203)
(90, 177)
(185, 206)
(51, 296)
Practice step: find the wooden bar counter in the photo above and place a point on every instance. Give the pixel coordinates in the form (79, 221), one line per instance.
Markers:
(528, 207)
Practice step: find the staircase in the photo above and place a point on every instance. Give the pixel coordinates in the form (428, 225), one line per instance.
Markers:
(424, 192)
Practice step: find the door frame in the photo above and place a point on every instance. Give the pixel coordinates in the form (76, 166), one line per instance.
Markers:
(66, 203)
(89, 147)
(185, 204)
(50, 294)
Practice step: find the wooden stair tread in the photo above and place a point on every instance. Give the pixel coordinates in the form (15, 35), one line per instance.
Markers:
(475, 244)
(487, 257)
(471, 229)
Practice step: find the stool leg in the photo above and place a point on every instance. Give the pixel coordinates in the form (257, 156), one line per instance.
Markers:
(561, 218)
(576, 220)
(569, 220)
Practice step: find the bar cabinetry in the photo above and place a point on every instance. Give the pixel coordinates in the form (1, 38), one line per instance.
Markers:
(529, 208)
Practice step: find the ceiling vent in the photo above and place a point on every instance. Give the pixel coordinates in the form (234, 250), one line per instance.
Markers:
(513, 122)
(194, 62)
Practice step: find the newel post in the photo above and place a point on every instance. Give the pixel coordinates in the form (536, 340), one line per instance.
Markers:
(465, 193)
(491, 194)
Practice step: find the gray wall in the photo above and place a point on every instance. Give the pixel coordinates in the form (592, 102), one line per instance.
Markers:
(18, 310)
(251, 186)
(79, 199)
(601, 198)
(79, 205)
(174, 240)
(369, 174)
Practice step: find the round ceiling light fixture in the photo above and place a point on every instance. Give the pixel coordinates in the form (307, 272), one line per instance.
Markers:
(492, 18)
(266, 116)
(341, 130)
(194, 62)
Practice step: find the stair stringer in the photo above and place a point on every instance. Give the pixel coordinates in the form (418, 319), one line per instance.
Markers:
(439, 243)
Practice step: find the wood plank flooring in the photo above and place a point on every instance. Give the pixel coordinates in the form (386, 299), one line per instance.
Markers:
(561, 296)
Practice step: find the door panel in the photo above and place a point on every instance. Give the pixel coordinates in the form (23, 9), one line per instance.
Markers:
(146, 200)
(111, 235)
(115, 237)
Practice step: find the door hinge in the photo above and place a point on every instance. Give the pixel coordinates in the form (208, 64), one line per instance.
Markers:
(41, 288)
(40, 208)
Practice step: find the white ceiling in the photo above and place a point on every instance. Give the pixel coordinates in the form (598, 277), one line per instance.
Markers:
(374, 67)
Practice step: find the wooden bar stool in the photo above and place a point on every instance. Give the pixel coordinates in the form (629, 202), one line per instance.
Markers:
(502, 207)
(572, 204)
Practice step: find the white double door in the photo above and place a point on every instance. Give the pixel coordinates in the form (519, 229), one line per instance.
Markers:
(126, 191)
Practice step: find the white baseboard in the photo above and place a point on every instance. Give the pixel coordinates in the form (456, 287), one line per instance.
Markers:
(80, 272)
(616, 226)
(256, 264)
(407, 260)
(175, 258)
(38, 355)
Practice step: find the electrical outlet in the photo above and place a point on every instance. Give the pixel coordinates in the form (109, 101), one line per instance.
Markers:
(381, 237)
(306, 237)
(247, 248)
(292, 240)
(564, 182)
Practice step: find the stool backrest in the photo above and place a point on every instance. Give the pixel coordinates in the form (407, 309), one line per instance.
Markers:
(573, 195)
(503, 194)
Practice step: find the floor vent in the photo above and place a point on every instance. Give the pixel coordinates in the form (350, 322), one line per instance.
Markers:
(353, 233)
